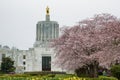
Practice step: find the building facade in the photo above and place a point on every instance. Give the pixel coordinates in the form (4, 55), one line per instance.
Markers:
(41, 56)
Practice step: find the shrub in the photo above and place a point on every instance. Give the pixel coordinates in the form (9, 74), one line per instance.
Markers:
(107, 78)
(116, 71)
(7, 65)
(44, 73)
(81, 72)
(51, 75)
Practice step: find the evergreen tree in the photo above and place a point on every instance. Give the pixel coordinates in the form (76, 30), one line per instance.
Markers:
(7, 65)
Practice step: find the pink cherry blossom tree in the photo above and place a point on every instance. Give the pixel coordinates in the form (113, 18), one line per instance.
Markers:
(95, 41)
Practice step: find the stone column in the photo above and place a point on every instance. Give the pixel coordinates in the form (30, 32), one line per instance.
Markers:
(37, 32)
(57, 30)
(43, 37)
(41, 33)
(52, 31)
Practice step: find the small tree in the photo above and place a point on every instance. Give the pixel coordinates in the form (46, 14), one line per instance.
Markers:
(7, 65)
(116, 71)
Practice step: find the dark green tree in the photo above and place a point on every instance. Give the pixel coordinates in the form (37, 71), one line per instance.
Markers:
(116, 71)
(7, 65)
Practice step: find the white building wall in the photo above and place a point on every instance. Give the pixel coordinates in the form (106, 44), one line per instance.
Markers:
(33, 58)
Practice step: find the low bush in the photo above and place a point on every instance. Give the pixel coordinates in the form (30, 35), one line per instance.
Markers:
(116, 71)
(45, 72)
(107, 78)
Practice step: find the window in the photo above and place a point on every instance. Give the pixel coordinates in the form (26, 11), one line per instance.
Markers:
(24, 68)
(24, 57)
(24, 63)
(3, 56)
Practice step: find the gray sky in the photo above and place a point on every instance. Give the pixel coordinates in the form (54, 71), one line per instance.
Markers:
(18, 18)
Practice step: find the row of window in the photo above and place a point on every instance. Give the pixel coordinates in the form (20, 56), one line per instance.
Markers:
(24, 63)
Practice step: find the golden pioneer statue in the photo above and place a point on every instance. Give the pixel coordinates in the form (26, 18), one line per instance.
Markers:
(47, 10)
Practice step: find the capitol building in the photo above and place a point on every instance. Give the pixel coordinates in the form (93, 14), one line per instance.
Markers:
(39, 58)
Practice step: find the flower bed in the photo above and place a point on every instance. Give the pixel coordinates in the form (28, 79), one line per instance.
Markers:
(51, 77)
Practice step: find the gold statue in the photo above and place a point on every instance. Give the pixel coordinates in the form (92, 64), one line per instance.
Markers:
(47, 10)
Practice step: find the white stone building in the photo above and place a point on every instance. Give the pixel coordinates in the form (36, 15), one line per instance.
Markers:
(41, 56)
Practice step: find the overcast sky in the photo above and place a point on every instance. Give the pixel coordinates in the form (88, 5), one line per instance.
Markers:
(18, 18)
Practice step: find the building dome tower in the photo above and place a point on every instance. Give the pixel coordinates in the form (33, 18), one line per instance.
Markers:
(46, 30)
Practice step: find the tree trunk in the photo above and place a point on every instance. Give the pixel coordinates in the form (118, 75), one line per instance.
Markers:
(95, 67)
(95, 71)
(91, 70)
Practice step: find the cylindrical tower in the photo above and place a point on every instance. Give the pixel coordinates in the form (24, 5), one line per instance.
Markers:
(46, 30)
